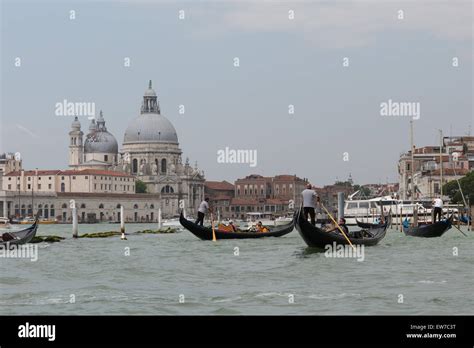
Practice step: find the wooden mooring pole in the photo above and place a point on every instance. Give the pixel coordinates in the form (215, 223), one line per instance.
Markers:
(122, 223)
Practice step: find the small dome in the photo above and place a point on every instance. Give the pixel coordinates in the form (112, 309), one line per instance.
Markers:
(150, 128)
(76, 125)
(100, 142)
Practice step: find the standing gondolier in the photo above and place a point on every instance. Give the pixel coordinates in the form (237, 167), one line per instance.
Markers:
(438, 208)
(202, 210)
(310, 198)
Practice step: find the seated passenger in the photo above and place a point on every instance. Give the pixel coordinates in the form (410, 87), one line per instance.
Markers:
(342, 224)
(260, 228)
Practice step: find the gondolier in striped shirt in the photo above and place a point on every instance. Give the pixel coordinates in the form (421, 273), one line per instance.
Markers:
(202, 210)
(310, 199)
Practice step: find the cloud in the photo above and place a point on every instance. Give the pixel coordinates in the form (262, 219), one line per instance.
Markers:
(339, 24)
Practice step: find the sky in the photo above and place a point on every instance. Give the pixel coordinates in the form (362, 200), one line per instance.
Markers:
(336, 129)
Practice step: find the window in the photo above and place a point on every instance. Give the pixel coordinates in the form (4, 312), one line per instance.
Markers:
(29, 178)
(49, 186)
(83, 206)
(163, 165)
(73, 178)
(49, 178)
(39, 178)
(167, 189)
(134, 165)
(39, 186)
(9, 186)
(62, 178)
(64, 206)
(364, 205)
(106, 158)
(135, 206)
(351, 205)
(87, 177)
(101, 206)
(29, 186)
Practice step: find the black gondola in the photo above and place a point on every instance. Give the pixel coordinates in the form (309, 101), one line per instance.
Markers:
(205, 232)
(372, 225)
(318, 238)
(19, 237)
(429, 230)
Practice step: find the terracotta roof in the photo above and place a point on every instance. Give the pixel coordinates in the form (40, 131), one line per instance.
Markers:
(219, 185)
(276, 201)
(33, 172)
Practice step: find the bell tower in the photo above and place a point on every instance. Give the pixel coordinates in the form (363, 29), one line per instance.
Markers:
(75, 144)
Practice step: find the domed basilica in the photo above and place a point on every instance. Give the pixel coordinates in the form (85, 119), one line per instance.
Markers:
(150, 152)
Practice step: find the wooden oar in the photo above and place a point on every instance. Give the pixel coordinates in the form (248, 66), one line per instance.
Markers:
(213, 230)
(339, 227)
(459, 230)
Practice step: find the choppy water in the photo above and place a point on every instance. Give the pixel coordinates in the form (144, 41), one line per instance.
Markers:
(260, 280)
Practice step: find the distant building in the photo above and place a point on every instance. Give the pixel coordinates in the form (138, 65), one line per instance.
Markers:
(104, 178)
(277, 195)
(456, 160)
(220, 195)
(328, 194)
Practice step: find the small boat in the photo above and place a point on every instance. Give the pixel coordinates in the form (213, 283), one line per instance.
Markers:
(318, 238)
(42, 221)
(4, 223)
(374, 225)
(429, 230)
(205, 232)
(19, 237)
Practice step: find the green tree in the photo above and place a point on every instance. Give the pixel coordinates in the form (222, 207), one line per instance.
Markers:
(140, 186)
(467, 185)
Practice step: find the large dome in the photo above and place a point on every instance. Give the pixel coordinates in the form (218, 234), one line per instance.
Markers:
(150, 128)
(100, 142)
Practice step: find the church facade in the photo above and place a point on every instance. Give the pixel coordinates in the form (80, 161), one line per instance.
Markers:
(150, 154)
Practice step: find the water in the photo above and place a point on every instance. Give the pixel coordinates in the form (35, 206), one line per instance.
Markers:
(213, 280)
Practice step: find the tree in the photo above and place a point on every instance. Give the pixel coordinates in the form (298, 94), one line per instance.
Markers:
(140, 187)
(467, 186)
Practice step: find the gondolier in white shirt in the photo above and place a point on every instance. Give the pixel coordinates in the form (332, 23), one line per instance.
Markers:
(310, 199)
(438, 208)
(202, 210)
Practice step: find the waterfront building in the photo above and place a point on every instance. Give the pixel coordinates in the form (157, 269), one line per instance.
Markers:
(257, 194)
(220, 194)
(456, 160)
(102, 178)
